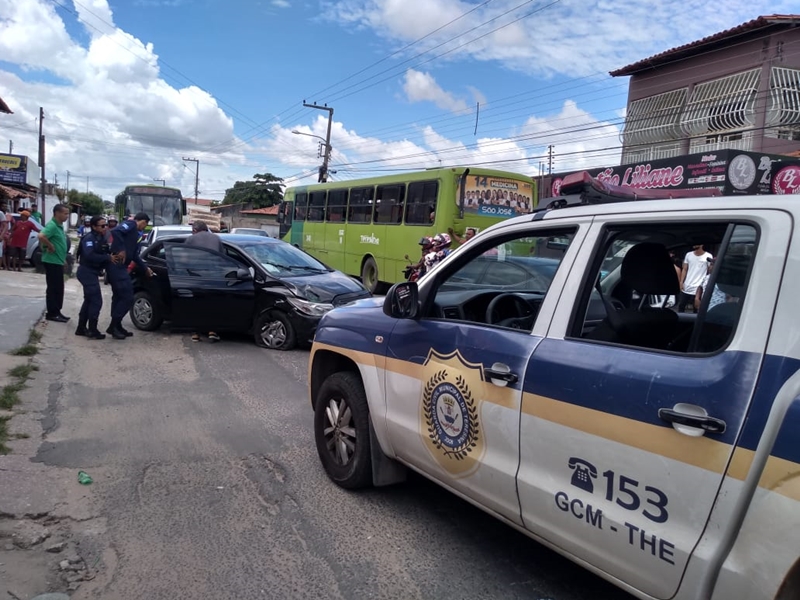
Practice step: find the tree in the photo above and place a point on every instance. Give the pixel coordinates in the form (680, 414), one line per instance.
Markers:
(91, 203)
(265, 190)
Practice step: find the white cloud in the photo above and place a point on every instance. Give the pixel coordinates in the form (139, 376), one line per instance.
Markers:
(572, 37)
(281, 3)
(579, 140)
(111, 115)
(422, 87)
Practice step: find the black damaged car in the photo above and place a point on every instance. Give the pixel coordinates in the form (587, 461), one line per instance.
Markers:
(259, 285)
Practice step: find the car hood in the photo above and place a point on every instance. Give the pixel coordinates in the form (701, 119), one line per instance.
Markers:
(332, 287)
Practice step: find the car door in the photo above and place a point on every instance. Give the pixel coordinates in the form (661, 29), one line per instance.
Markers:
(625, 438)
(453, 380)
(208, 293)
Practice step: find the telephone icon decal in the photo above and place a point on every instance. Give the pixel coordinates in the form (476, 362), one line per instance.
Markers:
(583, 475)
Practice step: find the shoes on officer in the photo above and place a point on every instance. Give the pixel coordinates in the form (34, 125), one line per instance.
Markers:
(118, 327)
(81, 330)
(115, 329)
(92, 332)
(57, 318)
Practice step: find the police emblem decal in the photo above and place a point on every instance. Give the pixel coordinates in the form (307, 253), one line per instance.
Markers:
(451, 416)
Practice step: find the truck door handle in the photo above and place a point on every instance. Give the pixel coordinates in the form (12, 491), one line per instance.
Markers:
(500, 374)
(679, 415)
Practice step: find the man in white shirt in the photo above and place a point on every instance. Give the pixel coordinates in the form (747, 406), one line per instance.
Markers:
(695, 268)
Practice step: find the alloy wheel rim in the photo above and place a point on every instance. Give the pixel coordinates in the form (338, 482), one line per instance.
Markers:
(273, 334)
(142, 311)
(339, 432)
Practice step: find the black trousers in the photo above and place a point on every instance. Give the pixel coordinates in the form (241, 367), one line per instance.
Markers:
(684, 300)
(54, 276)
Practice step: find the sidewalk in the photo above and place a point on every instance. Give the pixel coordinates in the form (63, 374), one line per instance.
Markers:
(38, 504)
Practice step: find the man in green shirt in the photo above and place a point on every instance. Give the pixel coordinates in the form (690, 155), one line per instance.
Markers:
(35, 214)
(53, 241)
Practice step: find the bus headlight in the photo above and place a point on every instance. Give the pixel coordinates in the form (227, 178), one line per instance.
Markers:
(312, 309)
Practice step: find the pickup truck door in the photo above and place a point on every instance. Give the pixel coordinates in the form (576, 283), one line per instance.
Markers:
(453, 380)
(607, 472)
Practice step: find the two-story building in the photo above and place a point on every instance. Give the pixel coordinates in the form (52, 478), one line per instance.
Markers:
(737, 89)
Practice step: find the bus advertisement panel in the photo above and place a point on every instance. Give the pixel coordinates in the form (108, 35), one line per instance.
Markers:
(366, 227)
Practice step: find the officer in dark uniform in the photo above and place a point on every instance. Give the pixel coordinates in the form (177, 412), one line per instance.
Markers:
(94, 255)
(124, 250)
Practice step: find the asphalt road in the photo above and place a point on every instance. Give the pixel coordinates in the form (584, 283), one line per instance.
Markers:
(207, 485)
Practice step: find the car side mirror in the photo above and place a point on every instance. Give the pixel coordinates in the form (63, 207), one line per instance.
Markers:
(243, 274)
(402, 301)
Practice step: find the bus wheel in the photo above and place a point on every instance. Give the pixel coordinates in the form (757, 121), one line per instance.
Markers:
(369, 275)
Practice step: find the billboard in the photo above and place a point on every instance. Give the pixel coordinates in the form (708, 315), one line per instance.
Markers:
(498, 196)
(13, 169)
(732, 172)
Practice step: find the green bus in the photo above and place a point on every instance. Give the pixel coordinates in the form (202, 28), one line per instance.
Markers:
(164, 205)
(365, 227)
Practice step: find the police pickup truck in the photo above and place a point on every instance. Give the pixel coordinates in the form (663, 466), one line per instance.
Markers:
(533, 374)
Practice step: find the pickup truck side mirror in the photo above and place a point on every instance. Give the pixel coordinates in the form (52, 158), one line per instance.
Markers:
(402, 301)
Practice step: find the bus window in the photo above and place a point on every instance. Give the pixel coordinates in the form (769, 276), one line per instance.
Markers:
(337, 205)
(389, 204)
(360, 205)
(300, 201)
(421, 202)
(316, 206)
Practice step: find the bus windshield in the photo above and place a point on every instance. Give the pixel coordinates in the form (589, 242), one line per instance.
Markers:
(164, 206)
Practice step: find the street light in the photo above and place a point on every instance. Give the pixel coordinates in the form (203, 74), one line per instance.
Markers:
(163, 182)
(323, 171)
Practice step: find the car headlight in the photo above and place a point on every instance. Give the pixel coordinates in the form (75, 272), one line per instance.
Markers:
(312, 309)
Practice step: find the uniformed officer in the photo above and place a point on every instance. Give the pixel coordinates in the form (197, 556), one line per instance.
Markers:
(94, 255)
(124, 250)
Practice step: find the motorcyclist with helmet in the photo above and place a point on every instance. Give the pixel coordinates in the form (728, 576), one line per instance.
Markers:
(439, 250)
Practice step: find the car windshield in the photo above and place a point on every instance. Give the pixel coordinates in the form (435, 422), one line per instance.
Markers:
(283, 259)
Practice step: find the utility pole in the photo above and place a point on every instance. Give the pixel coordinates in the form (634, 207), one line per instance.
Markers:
(550, 159)
(323, 170)
(67, 181)
(87, 184)
(196, 174)
(41, 156)
(11, 146)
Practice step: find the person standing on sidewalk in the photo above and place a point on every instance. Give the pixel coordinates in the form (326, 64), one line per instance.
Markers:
(94, 255)
(35, 214)
(53, 241)
(6, 221)
(124, 250)
(19, 239)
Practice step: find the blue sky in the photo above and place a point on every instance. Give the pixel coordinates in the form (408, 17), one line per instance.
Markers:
(130, 87)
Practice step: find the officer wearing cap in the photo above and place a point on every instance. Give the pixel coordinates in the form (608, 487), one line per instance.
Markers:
(93, 254)
(124, 250)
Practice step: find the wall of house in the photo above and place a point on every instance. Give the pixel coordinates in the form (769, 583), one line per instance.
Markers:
(759, 49)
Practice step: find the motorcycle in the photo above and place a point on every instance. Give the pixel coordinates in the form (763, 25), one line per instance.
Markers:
(411, 272)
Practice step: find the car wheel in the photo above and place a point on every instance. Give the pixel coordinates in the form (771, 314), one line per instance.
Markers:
(369, 275)
(146, 312)
(341, 430)
(273, 330)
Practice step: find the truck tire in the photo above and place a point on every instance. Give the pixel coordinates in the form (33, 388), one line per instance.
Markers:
(341, 430)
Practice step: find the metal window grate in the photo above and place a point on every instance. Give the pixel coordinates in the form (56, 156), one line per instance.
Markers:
(784, 97)
(654, 119)
(657, 152)
(722, 105)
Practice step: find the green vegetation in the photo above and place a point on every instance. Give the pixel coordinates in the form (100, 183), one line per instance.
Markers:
(265, 190)
(29, 349)
(4, 434)
(23, 371)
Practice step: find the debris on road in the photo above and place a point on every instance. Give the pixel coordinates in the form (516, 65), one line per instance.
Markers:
(84, 478)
